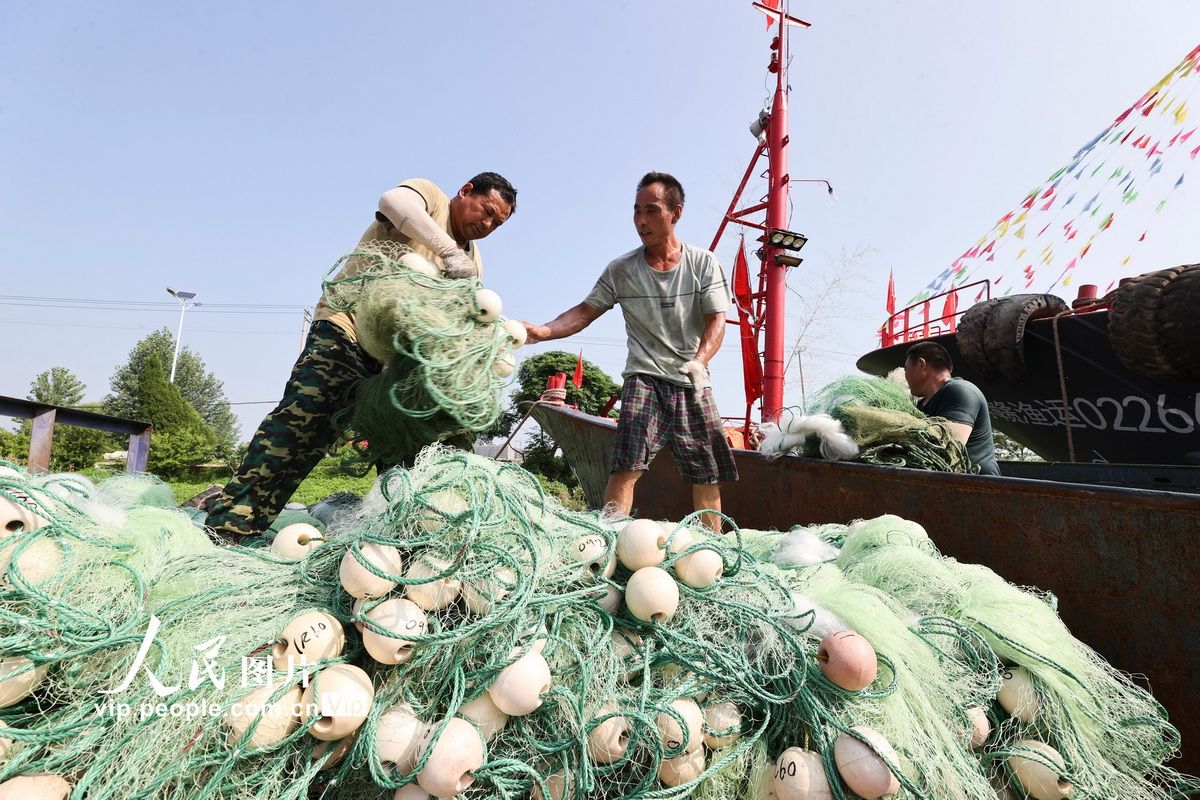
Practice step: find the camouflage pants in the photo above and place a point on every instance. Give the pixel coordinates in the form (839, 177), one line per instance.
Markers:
(295, 436)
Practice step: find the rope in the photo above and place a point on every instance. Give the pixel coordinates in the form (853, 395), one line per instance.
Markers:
(1062, 385)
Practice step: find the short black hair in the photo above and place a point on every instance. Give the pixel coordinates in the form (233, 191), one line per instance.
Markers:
(934, 354)
(484, 182)
(673, 189)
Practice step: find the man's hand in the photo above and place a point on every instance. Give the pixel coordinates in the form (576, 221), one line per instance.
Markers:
(697, 372)
(459, 265)
(535, 333)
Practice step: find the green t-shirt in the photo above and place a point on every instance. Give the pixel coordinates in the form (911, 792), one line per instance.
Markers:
(664, 311)
(961, 401)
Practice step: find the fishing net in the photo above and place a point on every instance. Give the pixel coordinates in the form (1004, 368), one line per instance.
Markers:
(149, 645)
(869, 421)
(444, 368)
(1111, 732)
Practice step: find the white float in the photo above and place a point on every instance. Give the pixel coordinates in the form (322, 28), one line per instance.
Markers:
(652, 595)
(519, 687)
(641, 543)
(361, 582)
(295, 541)
(517, 331)
(311, 637)
(861, 766)
(627, 650)
(339, 698)
(682, 768)
(489, 304)
(330, 754)
(1017, 695)
(594, 557)
(38, 786)
(19, 517)
(442, 505)
(981, 726)
(1040, 781)
(612, 599)
(16, 687)
(722, 724)
(458, 750)
(800, 775)
(608, 741)
(690, 734)
(481, 595)
(39, 560)
(559, 785)
(484, 713)
(411, 791)
(433, 592)
(276, 719)
(421, 264)
(398, 735)
(504, 366)
(401, 617)
(700, 568)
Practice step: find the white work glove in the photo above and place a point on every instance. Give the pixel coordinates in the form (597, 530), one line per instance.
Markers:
(459, 265)
(697, 372)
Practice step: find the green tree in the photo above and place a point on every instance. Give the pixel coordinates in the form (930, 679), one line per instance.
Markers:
(73, 448)
(199, 387)
(591, 398)
(180, 438)
(541, 455)
(1009, 449)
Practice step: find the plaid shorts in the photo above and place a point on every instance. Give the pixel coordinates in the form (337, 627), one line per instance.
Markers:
(655, 412)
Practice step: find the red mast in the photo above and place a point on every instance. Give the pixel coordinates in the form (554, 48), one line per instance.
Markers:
(767, 316)
(777, 205)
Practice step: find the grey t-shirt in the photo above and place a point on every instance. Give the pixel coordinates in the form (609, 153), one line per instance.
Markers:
(961, 401)
(664, 311)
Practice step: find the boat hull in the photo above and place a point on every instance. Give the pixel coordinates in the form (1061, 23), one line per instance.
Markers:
(1123, 563)
(1117, 415)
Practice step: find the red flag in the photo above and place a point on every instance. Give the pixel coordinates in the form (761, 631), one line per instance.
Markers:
(578, 379)
(752, 372)
(891, 295)
(770, 4)
(950, 309)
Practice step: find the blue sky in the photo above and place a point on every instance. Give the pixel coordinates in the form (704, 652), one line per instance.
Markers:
(236, 150)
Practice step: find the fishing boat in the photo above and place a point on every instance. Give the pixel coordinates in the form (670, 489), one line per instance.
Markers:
(1117, 544)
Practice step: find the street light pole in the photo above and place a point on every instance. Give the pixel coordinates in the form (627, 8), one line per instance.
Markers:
(185, 302)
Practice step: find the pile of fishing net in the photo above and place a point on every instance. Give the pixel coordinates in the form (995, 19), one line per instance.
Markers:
(456, 632)
(446, 348)
(870, 421)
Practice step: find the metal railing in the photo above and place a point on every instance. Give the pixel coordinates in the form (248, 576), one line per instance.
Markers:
(915, 323)
(46, 416)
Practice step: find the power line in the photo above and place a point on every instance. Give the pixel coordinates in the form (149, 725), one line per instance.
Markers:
(151, 303)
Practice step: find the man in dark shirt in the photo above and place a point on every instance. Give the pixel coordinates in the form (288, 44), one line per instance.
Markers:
(927, 369)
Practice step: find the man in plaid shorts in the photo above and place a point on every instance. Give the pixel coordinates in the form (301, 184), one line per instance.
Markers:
(674, 298)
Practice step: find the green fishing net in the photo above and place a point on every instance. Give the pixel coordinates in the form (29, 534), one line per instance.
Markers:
(143, 645)
(444, 368)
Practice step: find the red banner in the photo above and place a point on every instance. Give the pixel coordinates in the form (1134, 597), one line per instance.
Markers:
(751, 366)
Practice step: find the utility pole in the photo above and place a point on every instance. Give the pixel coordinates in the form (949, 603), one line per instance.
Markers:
(305, 321)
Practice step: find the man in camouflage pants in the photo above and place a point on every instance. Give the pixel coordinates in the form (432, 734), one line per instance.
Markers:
(295, 436)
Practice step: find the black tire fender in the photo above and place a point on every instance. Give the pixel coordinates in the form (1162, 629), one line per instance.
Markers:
(1137, 325)
(969, 338)
(1004, 330)
(1181, 322)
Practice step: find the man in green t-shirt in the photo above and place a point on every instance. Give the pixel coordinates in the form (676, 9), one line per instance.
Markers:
(927, 368)
(673, 297)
